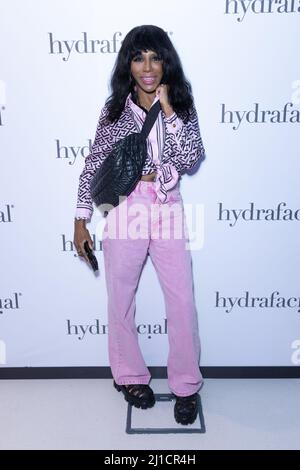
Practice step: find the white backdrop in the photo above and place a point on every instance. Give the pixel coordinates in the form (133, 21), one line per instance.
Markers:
(242, 58)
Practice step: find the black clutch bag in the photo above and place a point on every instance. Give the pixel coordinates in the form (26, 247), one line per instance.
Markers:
(122, 168)
(92, 258)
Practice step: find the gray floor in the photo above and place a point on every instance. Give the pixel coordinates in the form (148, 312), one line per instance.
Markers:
(90, 414)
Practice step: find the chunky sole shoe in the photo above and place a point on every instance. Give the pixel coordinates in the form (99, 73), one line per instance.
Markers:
(186, 409)
(138, 395)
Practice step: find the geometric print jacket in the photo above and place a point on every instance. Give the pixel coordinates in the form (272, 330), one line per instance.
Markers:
(173, 147)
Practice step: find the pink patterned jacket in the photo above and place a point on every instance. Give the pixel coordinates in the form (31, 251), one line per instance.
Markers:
(173, 146)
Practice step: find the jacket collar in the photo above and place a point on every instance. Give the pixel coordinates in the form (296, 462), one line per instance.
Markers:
(130, 101)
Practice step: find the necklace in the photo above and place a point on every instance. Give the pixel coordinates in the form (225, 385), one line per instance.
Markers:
(141, 106)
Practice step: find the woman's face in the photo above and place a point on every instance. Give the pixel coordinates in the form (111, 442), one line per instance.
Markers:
(147, 70)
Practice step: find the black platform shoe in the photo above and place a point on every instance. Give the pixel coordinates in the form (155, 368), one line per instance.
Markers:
(138, 395)
(186, 409)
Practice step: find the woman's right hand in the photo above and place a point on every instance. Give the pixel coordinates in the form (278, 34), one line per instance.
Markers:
(81, 234)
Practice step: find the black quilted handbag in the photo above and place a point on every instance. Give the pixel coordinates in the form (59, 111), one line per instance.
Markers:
(122, 168)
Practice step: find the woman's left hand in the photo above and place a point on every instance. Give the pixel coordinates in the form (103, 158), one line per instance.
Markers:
(162, 92)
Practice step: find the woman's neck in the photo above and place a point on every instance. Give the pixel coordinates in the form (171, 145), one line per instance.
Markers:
(145, 100)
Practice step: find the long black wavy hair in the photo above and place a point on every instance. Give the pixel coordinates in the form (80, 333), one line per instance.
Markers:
(143, 38)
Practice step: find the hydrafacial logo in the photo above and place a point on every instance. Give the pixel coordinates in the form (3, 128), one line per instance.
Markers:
(295, 358)
(68, 245)
(274, 300)
(96, 328)
(257, 115)
(252, 213)
(2, 352)
(6, 213)
(70, 154)
(241, 8)
(10, 303)
(85, 45)
(2, 101)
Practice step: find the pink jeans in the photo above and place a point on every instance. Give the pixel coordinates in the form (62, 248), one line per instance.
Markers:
(127, 239)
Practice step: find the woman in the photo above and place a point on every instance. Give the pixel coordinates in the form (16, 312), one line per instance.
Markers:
(148, 69)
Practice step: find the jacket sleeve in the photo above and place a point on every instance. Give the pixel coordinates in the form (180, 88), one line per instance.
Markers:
(100, 149)
(183, 144)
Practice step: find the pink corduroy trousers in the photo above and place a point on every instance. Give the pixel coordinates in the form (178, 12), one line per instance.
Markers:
(139, 225)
